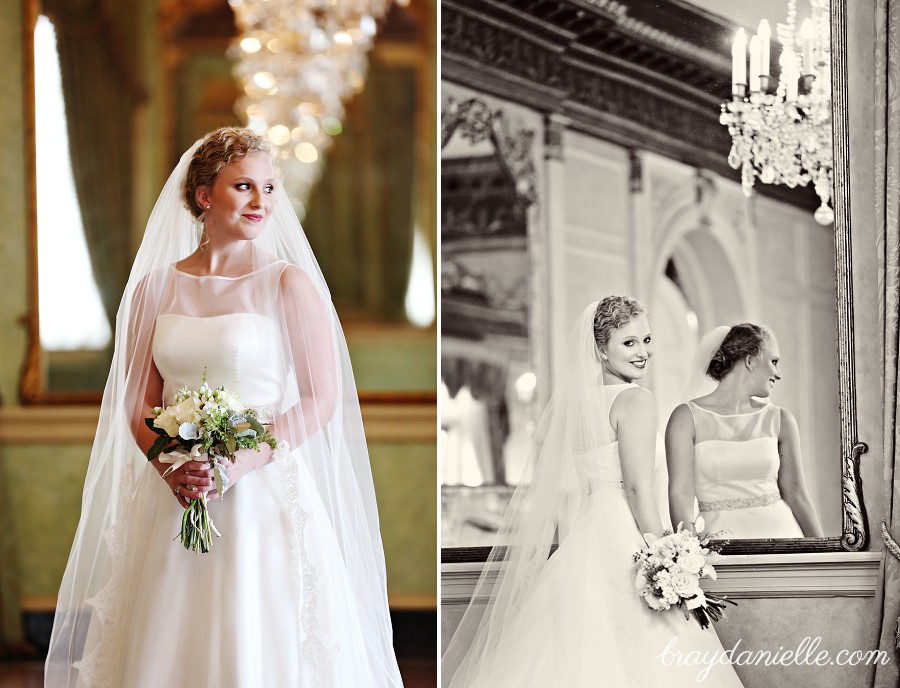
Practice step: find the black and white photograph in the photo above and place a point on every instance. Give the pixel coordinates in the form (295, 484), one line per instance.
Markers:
(668, 343)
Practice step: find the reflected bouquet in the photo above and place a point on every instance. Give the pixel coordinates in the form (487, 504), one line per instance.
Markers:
(204, 425)
(669, 570)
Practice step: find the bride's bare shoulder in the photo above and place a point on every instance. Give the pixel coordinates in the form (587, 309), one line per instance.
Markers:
(635, 401)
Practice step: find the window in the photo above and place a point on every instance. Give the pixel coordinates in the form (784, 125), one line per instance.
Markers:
(71, 311)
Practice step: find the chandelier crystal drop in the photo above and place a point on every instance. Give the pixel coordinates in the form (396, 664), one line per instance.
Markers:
(781, 129)
(298, 62)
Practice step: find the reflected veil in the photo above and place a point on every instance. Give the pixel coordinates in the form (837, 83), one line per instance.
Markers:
(570, 428)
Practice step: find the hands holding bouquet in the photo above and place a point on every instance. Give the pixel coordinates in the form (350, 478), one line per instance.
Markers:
(669, 570)
(206, 426)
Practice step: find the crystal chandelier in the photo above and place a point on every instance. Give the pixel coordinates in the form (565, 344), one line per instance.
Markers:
(298, 61)
(781, 128)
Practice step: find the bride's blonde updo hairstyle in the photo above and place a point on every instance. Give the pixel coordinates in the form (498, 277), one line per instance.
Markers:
(612, 313)
(745, 339)
(219, 148)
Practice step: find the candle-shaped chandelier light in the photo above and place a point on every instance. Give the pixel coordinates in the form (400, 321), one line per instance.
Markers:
(298, 61)
(781, 127)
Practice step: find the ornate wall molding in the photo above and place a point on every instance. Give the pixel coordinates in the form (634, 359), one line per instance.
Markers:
(474, 120)
(749, 576)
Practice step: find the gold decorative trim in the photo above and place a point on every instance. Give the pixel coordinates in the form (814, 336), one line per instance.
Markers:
(406, 601)
(385, 420)
(855, 536)
(412, 601)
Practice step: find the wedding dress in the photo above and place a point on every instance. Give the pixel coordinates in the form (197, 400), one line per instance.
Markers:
(736, 466)
(576, 620)
(294, 591)
(228, 618)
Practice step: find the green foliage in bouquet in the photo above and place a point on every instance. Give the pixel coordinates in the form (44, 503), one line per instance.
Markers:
(204, 425)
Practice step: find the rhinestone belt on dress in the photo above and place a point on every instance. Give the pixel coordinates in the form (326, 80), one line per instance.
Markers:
(593, 484)
(740, 502)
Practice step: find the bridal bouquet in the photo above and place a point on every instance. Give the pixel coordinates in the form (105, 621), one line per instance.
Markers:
(669, 570)
(204, 425)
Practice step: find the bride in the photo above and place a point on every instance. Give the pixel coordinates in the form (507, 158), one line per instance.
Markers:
(731, 450)
(576, 620)
(225, 286)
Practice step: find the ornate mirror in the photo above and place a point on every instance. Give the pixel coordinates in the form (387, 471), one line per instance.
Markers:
(634, 194)
(488, 193)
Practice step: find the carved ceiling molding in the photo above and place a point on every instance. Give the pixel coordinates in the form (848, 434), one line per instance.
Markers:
(584, 91)
(474, 120)
(483, 288)
(609, 73)
(488, 217)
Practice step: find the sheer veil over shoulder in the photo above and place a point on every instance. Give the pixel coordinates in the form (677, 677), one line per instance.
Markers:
(272, 334)
(567, 432)
(698, 383)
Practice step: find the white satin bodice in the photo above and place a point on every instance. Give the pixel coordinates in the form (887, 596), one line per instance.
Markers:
(239, 351)
(736, 464)
(602, 464)
(601, 468)
(736, 456)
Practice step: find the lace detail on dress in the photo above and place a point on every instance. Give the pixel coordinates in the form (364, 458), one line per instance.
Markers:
(316, 650)
(96, 666)
(740, 502)
(267, 414)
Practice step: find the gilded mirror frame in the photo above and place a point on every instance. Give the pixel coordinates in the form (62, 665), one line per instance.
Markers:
(854, 535)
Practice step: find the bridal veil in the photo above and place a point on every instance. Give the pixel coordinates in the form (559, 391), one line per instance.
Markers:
(539, 514)
(318, 415)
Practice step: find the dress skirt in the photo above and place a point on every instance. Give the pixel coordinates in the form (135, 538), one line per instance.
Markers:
(584, 624)
(269, 605)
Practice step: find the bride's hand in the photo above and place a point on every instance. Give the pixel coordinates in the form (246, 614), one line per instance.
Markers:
(245, 461)
(188, 481)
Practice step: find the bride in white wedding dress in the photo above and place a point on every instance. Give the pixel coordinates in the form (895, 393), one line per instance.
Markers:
(732, 451)
(294, 591)
(576, 620)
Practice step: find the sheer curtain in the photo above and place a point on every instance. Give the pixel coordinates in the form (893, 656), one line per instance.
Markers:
(887, 223)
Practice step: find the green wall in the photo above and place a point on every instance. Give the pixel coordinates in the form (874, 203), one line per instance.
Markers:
(43, 511)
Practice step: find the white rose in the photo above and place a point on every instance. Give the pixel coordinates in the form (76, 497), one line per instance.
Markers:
(166, 421)
(685, 584)
(187, 411)
(691, 562)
